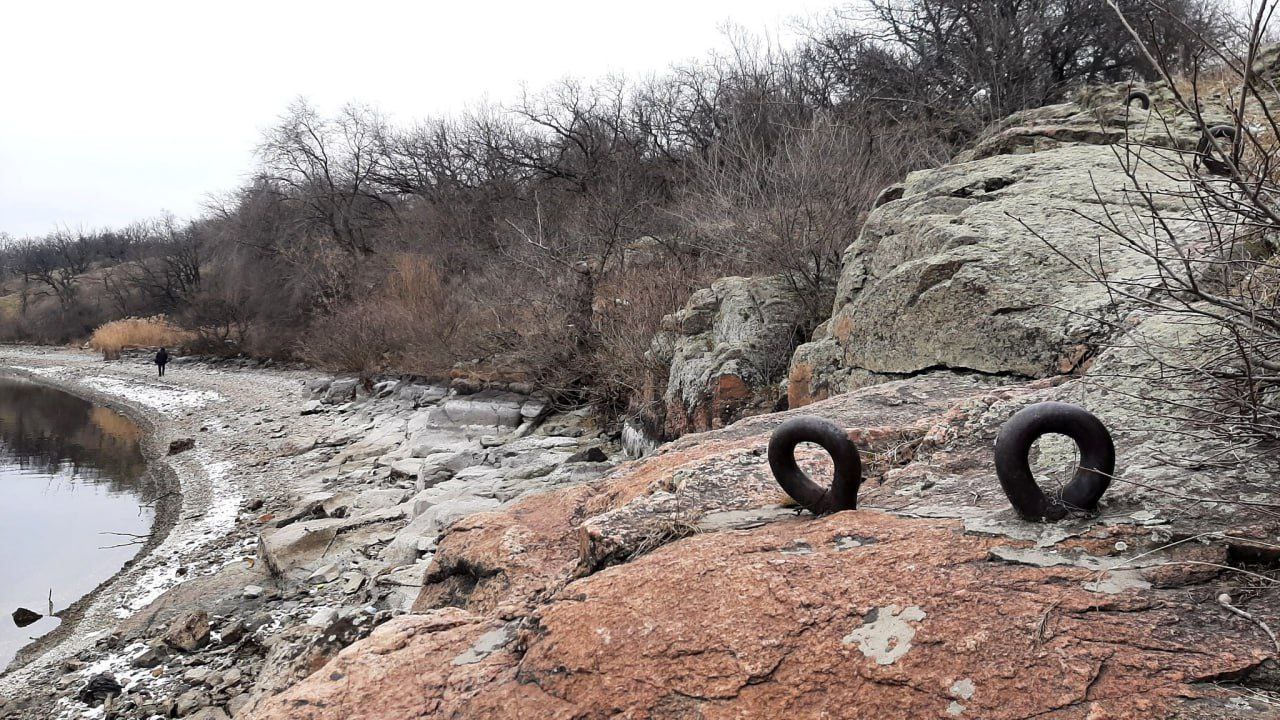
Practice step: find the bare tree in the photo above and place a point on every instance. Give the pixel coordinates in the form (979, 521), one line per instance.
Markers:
(165, 266)
(793, 211)
(55, 262)
(958, 65)
(328, 167)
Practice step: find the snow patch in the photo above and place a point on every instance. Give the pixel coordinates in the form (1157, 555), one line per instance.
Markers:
(119, 665)
(165, 398)
(50, 371)
(185, 545)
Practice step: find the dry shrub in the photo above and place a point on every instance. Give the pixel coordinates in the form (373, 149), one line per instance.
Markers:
(792, 211)
(413, 322)
(629, 312)
(1209, 235)
(110, 339)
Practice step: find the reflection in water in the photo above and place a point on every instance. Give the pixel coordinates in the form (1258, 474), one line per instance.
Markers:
(73, 485)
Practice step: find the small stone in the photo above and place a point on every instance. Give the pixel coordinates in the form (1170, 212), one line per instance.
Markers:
(257, 622)
(253, 591)
(98, 689)
(1224, 599)
(352, 582)
(181, 445)
(189, 701)
(323, 617)
(23, 617)
(325, 574)
(196, 675)
(110, 642)
(237, 703)
(592, 454)
(1122, 546)
(149, 658)
(231, 633)
(190, 633)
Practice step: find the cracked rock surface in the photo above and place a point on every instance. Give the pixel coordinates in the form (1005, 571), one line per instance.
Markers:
(305, 514)
(683, 585)
(970, 265)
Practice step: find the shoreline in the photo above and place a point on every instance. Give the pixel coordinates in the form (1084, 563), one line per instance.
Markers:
(168, 506)
(196, 530)
(307, 513)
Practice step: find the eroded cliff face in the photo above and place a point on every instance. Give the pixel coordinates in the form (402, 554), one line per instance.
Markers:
(685, 585)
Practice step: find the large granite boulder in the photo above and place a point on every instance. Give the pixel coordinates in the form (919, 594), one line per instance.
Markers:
(976, 265)
(844, 617)
(723, 355)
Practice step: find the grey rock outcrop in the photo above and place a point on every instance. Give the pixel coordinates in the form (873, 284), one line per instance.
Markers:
(973, 265)
(487, 407)
(725, 352)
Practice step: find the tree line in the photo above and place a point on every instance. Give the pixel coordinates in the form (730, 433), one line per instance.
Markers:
(547, 237)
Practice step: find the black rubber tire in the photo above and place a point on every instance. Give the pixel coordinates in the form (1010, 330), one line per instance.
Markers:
(843, 493)
(1143, 99)
(1217, 131)
(1091, 479)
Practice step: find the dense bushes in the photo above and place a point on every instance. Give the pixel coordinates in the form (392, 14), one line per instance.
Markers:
(412, 322)
(547, 239)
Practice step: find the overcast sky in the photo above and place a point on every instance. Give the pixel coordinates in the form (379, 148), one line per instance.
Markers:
(114, 111)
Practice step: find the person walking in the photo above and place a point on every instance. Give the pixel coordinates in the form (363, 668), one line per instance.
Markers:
(162, 359)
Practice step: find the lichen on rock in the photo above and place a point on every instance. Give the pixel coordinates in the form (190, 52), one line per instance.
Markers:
(723, 355)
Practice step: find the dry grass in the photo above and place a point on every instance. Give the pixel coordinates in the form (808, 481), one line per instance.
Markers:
(113, 337)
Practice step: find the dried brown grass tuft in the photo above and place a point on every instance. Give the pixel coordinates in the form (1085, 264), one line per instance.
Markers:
(118, 335)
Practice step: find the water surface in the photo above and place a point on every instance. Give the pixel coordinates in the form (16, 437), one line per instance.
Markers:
(75, 503)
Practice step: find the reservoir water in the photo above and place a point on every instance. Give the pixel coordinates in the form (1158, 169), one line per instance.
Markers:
(75, 503)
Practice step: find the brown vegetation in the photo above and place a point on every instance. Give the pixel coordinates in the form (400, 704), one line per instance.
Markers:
(550, 236)
(1211, 244)
(152, 332)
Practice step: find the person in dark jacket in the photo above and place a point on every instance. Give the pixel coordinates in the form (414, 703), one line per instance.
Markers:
(162, 359)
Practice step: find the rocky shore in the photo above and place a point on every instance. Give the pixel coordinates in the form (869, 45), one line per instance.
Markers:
(308, 515)
(685, 585)
(347, 551)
